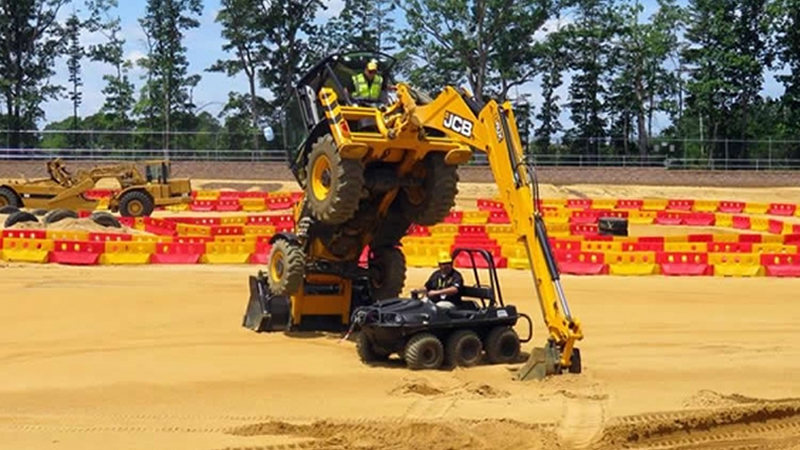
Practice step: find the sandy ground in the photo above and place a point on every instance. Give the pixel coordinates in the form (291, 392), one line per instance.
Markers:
(95, 358)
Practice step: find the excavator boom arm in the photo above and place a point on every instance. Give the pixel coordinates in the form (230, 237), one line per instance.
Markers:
(492, 129)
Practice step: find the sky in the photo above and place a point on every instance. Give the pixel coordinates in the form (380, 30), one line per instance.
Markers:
(204, 47)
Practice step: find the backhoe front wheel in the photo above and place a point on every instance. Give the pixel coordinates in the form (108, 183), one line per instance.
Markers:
(431, 202)
(286, 267)
(387, 272)
(136, 204)
(334, 184)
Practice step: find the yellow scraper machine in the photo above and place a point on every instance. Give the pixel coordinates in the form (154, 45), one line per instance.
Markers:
(371, 168)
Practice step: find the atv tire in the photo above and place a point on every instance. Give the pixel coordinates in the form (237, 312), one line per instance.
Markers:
(9, 198)
(105, 219)
(19, 217)
(424, 351)
(387, 269)
(287, 265)
(502, 345)
(429, 204)
(464, 348)
(57, 215)
(333, 184)
(8, 209)
(367, 352)
(136, 204)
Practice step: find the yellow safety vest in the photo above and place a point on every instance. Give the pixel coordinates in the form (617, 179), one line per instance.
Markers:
(363, 90)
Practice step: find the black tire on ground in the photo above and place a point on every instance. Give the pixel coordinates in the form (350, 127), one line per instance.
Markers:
(334, 184)
(57, 215)
(392, 229)
(9, 198)
(39, 212)
(105, 219)
(136, 204)
(464, 348)
(19, 217)
(287, 265)
(8, 209)
(575, 361)
(387, 269)
(502, 345)
(431, 203)
(367, 352)
(424, 351)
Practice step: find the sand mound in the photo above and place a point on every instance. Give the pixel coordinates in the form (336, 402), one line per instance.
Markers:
(426, 388)
(81, 225)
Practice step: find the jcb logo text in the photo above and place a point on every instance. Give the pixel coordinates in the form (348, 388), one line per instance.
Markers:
(458, 124)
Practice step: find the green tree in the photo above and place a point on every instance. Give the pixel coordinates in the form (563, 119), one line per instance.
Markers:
(555, 61)
(786, 33)
(361, 25)
(75, 54)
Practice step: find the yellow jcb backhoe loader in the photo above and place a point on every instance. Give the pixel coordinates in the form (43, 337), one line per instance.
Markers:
(368, 172)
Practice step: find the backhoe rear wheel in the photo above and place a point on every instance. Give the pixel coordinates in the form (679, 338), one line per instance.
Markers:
(286, 267)
(136, 204)
(9, 198)
(334, 184)
(387, 272)
(431, 202)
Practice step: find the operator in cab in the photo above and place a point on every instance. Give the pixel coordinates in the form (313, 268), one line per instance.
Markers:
(367, 86)
(444, 285)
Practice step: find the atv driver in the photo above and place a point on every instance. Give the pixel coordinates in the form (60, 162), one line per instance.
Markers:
(444, 285)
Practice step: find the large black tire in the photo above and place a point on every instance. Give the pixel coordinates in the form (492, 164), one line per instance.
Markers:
(464, 348)
(57, 215)
(105, 219)
(430, 203)
(387, 270)
(502, 345)
(334, 184)
(367, 352)
(392, 229)
(8, 209)
(9, 198)
(19, 217)
(287, 265)
(136, 204)
(424, 351)
(39, 212)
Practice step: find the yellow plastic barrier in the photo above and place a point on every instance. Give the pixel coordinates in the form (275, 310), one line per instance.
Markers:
(642, 217)
(631, 263)
(676, 238)
(654, 204)
(557, 229)
(65, 235)
(556, 216)
(756, 208)
(475, 217)
(413, 253)
(495, 230)
(774, 247)
(102, 204)
(601, 246)
(127, 252)
(554, 202)
(150, 238)
(233, 220)
(685, 247)
(736, 264)
(443, 229)
(185, 229)
(787, 227)
(177, 208)
(207, 195)
(259, 230)
(725, 237)
(424, 255)
(772, 239)
(26, 250)
(228, 252)
(759, 223)
(604, 203)
(518, 258)
(243, 239)
(724, 220)
(253, 204)
(705, 205)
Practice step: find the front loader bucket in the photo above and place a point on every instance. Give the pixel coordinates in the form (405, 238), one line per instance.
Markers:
(542, 363)
(265, 311)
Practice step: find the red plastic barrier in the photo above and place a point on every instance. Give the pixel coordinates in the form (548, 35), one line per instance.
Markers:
(24, 234)
(781, 265)
(227, 205)
(581, 263)
(500, 217)
(76, 252)
(583, 229)
(699, 219)
(700, 238)
(279, 201)
(630, 204)
(105, 237)
(418, 230)
(579, 203)
(584, 216)
(490, 205)
(658, 239)
(160, 227)
(741, 222)
(227, 230)
(754, 238)
(790, 239)
(669, 218)
(263, 247)
(684, 263)
(680, 205)
(730, 247)
(731, 207)
(203, 205)
(178, 253)
(463, 260)
(775, 226)
(565, 245)
(455, 217)
(781, 209)
(193, 240)
(283, 222)
(643, 246)
(612, 213)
